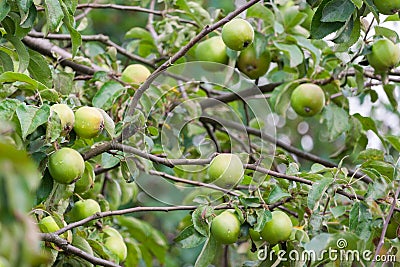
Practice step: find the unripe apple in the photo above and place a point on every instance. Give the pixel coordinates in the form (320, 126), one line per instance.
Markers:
(384, 55)
(387, 7)
(226, 170)
(278, 228)
(226, 228)
(135, 74)
(117, 246)
(66, 165)
(237, 34)
(307, 99)
(83, 209)
(89, 122)
(213, 50)
(48, 225)
(66, 115)
(251, 65)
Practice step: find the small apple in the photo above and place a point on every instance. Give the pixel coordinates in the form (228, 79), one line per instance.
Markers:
(226, 170)
(387, 7)
(110, 231)
(251, 65)
(237, 34)
(212, 50)
(117, 246)
(278, 228)
(307, 99)
(66, 165)
(384, 55)
(89, 122)
(135, 74)
(83, 209)
(66, 115)
(226, 228)
(48, 225)
(86, 181)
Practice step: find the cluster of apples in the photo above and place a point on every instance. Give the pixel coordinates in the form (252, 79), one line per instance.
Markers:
(66, 165)
(238, 35)
(226, 171)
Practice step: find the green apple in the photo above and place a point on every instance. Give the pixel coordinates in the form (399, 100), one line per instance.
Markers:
(212, 50)
(226, 228)
(48, 225)
(384, 55)
(237, 34)
(135, 74)
(387, 7)
(83, 209)
(66, 115)
(307, 99)
(66, 165)
(86, 181)
(251, 65)
(278, 229)
(117, 246)
(226, 170)
(89, 122)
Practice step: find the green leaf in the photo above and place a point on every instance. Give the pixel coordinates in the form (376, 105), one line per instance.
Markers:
(190, 238)
(360, 220)
(357, 3)
(307, 44)
(68, 19)
(201, 219)
(394, 141)
(280, 98)
(134, 253)
(6, 61)
(39, 68)
(390, 93)
(369, 124)
(336, 121)
(139, 33)
(54, 128)
(293, 52)
(261, 12)
(7, 108)
(349, 35)
(370, 154)
(4, 9)
(320, 29)
(337, 10)
(207, 254)
(317, 191)
(31, 84)
(31, 117)
(23, 55)
(24, 5)
(388, 33)
(107, 95)
(338, 211)
(252, 202)
(263, 216)
(54, 14)
(276, 194)
(109, 125)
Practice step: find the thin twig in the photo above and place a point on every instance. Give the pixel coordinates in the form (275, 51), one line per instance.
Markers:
(385, 225)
